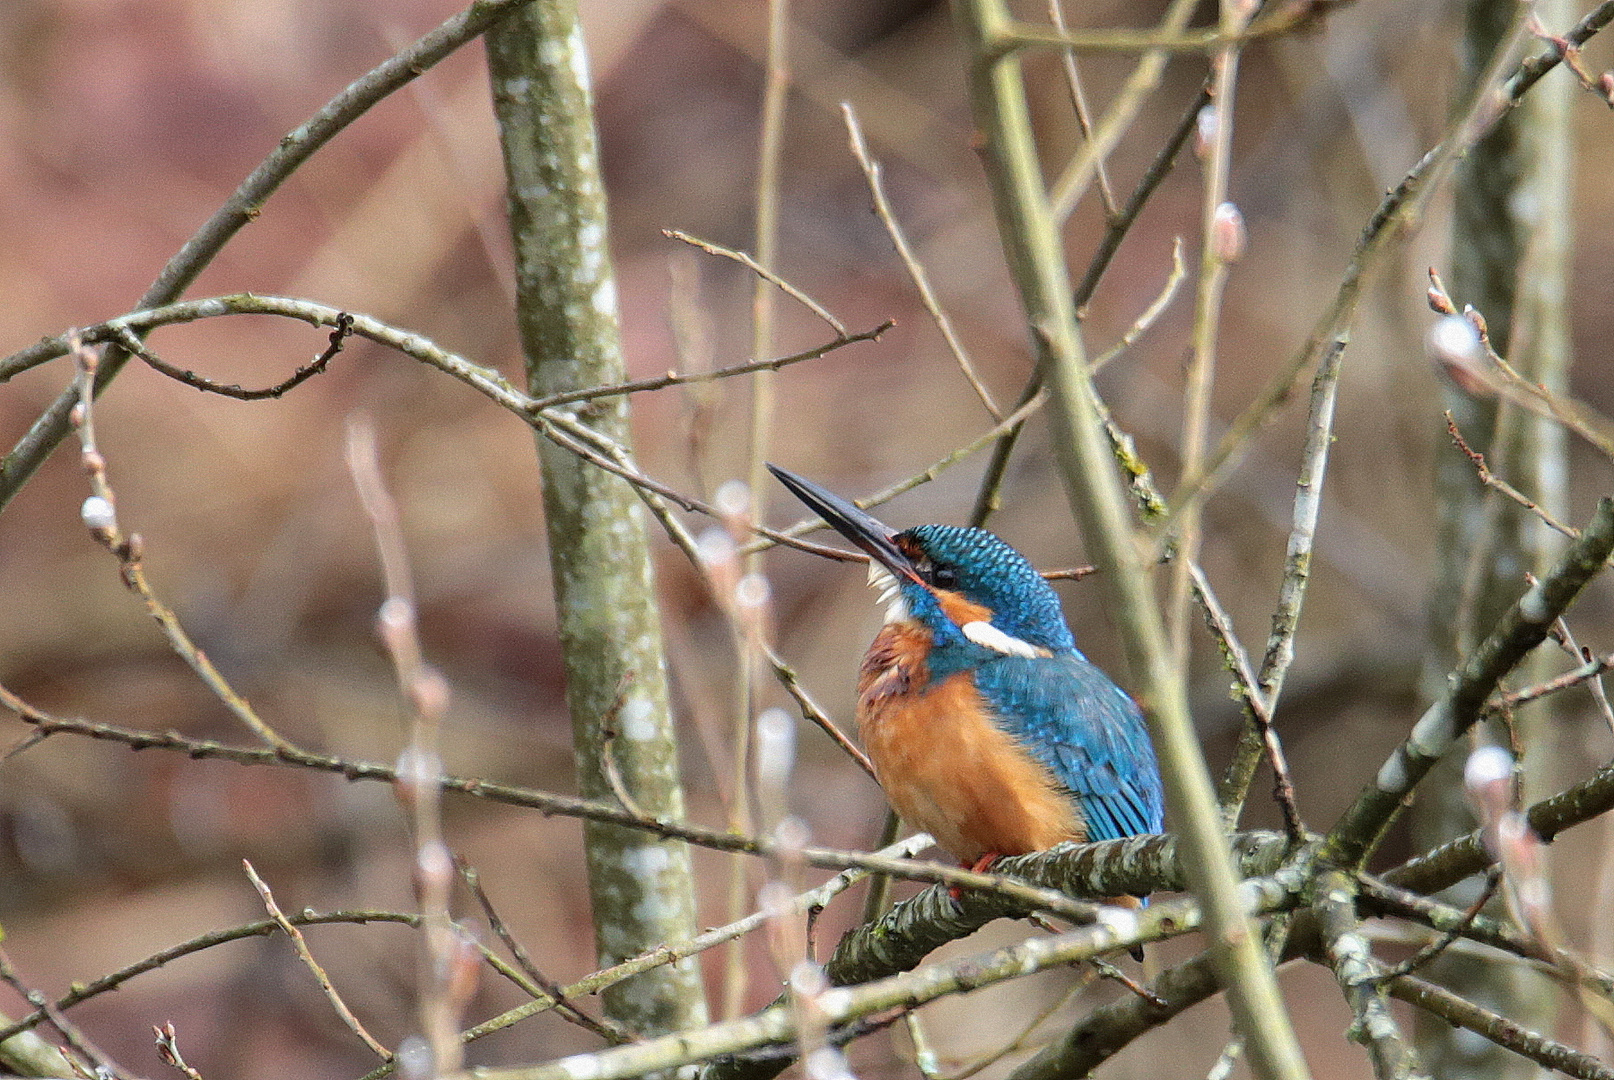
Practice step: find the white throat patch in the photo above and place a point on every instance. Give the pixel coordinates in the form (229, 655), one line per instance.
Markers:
(896, 607)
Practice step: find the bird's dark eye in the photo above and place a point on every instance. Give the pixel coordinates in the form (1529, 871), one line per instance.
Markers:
(944, 577)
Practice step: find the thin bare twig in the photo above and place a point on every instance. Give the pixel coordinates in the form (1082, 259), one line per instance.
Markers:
(1378, 897)
(1493, 878)
(1078, 107)
(750, 367)
(606, 1028)
(1221, 243)
(1501, 379)
(1280, 649)
(48, 1010)
(1021, 1040)
(299, 943)
(450, 969)
(81, 992)
(813, 712)
(594, 447)
(1156, 308)
(681, 538)
(1588, 672)
(132, 343)
(263, 928)
(767, 275)
(910, 261)
(1585, 655)
(764, 403)
(936, 468)
(1496, 483)
(509, 794)
(613, 776)
(100, 514)
(1255, 704)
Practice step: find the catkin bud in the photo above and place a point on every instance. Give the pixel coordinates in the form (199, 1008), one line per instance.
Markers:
(1205, 126)
(1227, 233)
(99, 515)
(1459, 355)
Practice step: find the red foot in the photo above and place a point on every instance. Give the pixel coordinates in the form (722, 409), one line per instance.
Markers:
(978, 866)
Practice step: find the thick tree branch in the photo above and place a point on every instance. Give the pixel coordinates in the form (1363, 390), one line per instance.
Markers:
(1522, 628)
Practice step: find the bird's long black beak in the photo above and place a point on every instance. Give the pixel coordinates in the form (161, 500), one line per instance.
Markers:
(862, 528)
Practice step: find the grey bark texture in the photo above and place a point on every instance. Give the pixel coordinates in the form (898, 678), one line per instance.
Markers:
(1510, 261)
(641, 888)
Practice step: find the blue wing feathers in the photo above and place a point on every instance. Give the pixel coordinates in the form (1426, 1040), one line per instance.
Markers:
(1086, 731)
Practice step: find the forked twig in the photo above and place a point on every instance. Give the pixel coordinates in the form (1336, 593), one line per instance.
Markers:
(1493, 879)
(765, 274)
(1255, 703)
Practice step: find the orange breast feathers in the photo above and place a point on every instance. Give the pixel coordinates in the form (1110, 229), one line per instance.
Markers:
(945, 766)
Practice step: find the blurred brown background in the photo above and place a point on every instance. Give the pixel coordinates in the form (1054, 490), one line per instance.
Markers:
(124, 123)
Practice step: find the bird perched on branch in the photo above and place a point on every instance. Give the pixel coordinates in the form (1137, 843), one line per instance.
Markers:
(986, 727)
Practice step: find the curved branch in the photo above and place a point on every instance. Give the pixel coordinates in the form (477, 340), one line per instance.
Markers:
(552, 421)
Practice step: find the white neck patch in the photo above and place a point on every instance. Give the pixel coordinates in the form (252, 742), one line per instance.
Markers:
(988, 636)
(896, 606)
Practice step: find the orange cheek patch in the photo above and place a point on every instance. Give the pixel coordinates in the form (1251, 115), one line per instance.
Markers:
(962, 611)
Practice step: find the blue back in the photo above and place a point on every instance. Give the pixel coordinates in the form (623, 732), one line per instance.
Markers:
(1084, 729)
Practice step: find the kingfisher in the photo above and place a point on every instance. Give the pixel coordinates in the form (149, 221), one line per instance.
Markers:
(987, 728)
